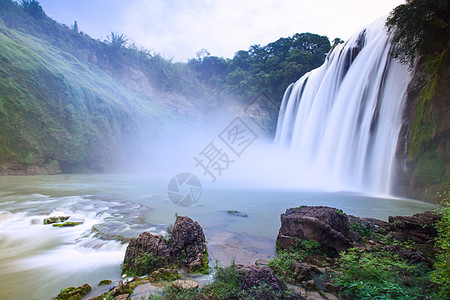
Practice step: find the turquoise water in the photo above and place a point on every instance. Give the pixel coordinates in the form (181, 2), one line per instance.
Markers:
(37, 260)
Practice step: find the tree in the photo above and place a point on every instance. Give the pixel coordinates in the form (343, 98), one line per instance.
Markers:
(116, 40)
(419, 27)
(33, 8)
(75, 27)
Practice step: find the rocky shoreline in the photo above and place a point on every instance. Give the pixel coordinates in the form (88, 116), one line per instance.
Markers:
(319, 248)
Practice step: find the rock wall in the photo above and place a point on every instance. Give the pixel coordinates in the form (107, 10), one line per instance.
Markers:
(424, 144)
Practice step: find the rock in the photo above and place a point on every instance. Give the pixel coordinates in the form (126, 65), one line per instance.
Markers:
(164, 275)
(314, 296)
(53, 220)
(186, 284)
(121, 289)
(185, 249)
(67, 224)
(146, 253)
(255, 276)
(122, 297)
(74, 292)
(326, 225)
(105, 282)
(303, 272)
(237, 213)
(310, 285)
(188, 247)
(420, 227)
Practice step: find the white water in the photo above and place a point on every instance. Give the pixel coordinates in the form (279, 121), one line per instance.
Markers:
(340, 122)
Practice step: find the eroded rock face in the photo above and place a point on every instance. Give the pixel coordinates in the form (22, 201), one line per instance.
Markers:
(188, 246)
(419, 228)
(139, 247)
(326, 225)
(255, 276)
(185, 249)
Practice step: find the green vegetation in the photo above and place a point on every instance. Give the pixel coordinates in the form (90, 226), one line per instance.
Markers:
(227, 284)
(441, 274)
(69, 98)
(74, 293)
(52, 220)
(105, 282)
(283, 264)
(145, 263)
(420, 27)
(421, 33)
(67, 224)
(381, 275)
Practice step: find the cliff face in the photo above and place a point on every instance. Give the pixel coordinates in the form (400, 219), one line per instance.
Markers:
(424, 145)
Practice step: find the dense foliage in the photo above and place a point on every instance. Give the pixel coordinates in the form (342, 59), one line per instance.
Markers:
(67, 97)
(420, 27)
(441, 275)
(270, 68)
(381, 274)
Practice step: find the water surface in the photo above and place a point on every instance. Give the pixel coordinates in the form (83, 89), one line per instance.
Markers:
(37, 260)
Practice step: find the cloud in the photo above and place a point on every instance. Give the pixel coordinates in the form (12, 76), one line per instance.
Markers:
(179, 28)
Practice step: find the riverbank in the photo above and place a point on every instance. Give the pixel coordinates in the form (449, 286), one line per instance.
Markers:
(323, 253)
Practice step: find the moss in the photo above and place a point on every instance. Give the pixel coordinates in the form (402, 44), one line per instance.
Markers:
(429, 170)
(53, 220)
(74, 293)
(67, 224)
(105, 282)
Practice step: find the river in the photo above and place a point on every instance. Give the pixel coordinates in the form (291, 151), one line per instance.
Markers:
(38, 260)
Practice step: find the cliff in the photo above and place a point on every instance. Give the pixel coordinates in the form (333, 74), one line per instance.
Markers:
(424, 146)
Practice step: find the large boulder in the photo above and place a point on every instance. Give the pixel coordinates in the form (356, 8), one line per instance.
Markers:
(146, 253)
(186, 249)
(255, 276)
(188, 245)
(326, 225)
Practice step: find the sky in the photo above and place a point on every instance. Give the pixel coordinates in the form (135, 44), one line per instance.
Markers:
(178, 29)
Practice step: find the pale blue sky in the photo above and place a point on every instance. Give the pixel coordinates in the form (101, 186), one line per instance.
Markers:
(179, 28)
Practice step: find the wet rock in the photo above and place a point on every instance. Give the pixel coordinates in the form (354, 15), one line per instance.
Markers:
(74, 292)
(67, 224)
(237, 213)
(146, 253)
(326, 225)
(53, 220)
(105, 282)
(186, 284)
(121, 289)
(188, 245)
(185, 249)
(255, 276)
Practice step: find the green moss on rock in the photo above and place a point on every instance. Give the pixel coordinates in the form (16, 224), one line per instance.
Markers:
(67, 224)
(74, 293)
(429, 170)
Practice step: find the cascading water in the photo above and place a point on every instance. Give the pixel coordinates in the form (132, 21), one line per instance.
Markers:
(340, 122)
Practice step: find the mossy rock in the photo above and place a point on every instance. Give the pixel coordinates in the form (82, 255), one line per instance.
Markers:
(53, 220)
(164, 275)
(105, 282)
(429, 170)
(67, 224)
(74, 293)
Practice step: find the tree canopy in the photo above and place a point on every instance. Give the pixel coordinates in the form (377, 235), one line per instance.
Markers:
(420, 27)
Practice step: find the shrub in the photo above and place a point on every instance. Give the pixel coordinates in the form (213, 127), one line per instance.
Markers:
(381, 275)
(441, 275)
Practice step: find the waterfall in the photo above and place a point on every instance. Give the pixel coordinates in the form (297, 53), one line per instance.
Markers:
(339, 123)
